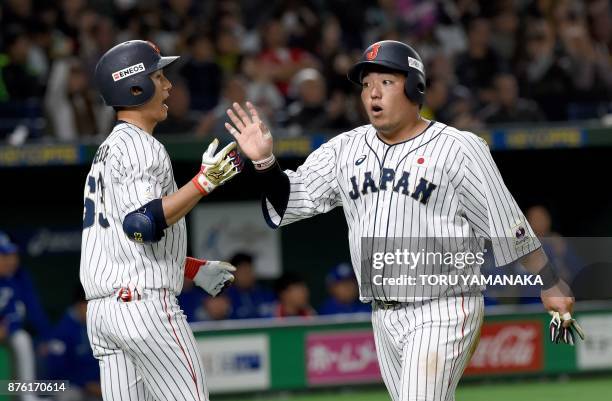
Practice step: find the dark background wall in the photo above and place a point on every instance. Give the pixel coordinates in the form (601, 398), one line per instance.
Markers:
(572, 183)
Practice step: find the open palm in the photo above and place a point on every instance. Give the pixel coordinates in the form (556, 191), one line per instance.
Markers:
(250, 132)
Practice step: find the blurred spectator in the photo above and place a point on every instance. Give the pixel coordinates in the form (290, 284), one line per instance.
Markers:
(476, 67)
(262, 92)
(507, 106)
(228, 50)
(447, 102)
(342, 286)
(72, 104)
(311, 111)
(279, 59)
(543, 76)
(181, 120)
(591, 72)
(461, 110)
(293, 297)
(18, 83)
(17, 12)
(301, 21)
(12, 319)
(21, 284)
(440, 97)
(336, 61)
(70, 356)
(505, 24)
(248, 298)
(234, 90)
(202, 73)
(558, 250)
(214, 308)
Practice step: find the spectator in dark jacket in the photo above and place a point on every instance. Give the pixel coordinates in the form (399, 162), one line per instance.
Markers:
(249, 299)
(508, 107)
(342, 286)
(70, 356)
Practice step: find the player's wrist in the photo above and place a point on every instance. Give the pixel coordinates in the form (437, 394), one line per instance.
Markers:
(549, 276)
(202, 185)
(192, 266)
(265, 163)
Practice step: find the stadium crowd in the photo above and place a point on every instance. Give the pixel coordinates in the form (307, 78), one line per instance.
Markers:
(488, 62)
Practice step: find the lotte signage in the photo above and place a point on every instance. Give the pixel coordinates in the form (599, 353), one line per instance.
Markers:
(511, 347)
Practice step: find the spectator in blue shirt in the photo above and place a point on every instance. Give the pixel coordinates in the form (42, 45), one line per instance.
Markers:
(12, 316)
(69, 354)
(26, 297)
(344, 293)
(213, 308)
(249, 299)
(191, 299)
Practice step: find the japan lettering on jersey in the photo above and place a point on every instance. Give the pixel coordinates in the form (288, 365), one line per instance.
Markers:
(443, 183)
(130, 169)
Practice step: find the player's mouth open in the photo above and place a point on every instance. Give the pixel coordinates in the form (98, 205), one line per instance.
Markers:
(164, 105)
(376, 110)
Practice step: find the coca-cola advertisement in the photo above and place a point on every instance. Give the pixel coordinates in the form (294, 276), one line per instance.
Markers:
(509, 347)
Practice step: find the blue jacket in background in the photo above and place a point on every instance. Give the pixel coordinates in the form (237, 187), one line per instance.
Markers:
(251, 304)
(9, 313)
(70, 356)
(35, 315)
(331, 307)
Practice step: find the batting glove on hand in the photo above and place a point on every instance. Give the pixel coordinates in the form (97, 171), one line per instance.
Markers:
(217, 168)
(562, 328)
(213, 276)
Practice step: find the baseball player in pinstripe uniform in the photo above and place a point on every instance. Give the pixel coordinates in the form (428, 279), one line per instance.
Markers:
(404, 177)
(133, 255)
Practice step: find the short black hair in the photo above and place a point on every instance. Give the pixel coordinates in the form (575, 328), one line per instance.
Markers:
(286, 280)
(240, 258)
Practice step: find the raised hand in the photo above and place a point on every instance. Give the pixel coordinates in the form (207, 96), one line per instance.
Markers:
(252, 135)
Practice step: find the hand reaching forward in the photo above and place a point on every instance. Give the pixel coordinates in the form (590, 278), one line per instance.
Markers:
(252, 135)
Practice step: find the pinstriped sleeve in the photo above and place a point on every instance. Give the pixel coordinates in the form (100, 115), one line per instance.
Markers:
(141, 175)
(313, 188)
(490, 208)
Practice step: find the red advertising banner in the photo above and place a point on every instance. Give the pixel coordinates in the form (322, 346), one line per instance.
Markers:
(508, 347)
(341, 357)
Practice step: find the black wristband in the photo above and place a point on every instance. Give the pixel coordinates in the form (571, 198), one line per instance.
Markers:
(548, 276)
(275, 187)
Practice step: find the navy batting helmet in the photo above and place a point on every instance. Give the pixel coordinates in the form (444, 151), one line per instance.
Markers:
(122, 73)
(395, 56)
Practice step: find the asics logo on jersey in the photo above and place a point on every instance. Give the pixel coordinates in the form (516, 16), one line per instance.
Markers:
(360, 160)
(421, 193)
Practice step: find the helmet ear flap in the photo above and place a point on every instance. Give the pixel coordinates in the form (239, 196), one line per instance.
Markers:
(414, 87)
(141, 89)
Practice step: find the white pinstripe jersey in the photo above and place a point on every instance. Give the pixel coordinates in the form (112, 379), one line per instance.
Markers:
(442, 183)
(130, 169)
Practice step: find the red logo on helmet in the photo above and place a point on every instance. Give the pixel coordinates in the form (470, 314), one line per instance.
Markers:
(371, 55)
(154, 46)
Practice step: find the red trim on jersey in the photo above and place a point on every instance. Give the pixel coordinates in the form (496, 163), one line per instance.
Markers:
(193, 375)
